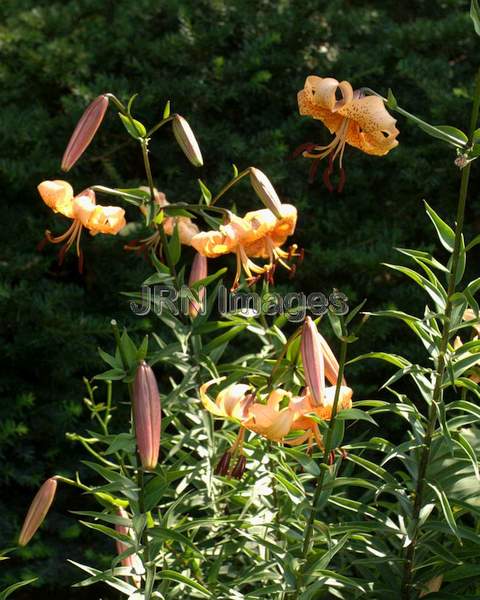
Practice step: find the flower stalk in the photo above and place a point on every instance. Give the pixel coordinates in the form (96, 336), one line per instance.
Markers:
(325, 464)
(437, 396)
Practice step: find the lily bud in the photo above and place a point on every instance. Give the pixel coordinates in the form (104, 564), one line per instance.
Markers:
(313, 361)
(83, 133)
(265, 191)
(132, 560)
(187, 141)
(147, 413)
(199, 271)
(331, 363)
(38, 510)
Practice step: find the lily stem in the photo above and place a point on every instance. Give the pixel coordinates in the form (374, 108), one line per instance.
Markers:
(230, 184)
(324, 467)
(151, 211)
(437, 396)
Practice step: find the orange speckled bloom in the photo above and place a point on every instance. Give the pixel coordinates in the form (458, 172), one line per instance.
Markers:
(358, 120)
(259, 234)
(58, 195)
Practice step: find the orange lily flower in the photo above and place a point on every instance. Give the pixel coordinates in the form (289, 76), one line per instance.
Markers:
(355, 119)
(58, 195)
(272, 420)
(259, 234)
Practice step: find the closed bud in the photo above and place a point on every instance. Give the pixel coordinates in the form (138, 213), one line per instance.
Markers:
(265, 191)
(38, 510)
(83, 134)
(199, 271)
(147, 413)
(187, 141)
(132, 560)
(330, 361)
(313, 361)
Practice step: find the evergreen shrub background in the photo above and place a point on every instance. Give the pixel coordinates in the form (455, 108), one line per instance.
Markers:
(232, 68)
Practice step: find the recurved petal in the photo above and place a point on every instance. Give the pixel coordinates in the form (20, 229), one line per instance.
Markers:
(370, 113)
(84, 206)
(231, 400)
(107, 219)
(372, 128)
(270, 423)
(212, 243)
(207, 403)
(57, 195)
(328, 93)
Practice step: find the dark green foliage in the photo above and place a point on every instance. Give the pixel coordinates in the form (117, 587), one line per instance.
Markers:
(232, 67)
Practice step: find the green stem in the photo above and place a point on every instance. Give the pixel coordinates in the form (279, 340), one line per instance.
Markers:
(149, 570)
(151, 211)
(158, 125)
(230, 184)
(324, 467)
(437, 396)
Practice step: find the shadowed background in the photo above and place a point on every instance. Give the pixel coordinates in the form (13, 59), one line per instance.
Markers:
(232, 68)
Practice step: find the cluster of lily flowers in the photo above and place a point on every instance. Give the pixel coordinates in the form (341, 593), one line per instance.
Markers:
(277, 415)
(283, 417)
(356, 119)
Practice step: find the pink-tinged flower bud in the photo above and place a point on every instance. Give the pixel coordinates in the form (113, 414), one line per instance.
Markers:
(265, 191)
(199, 271)
(330, 361)
(132, 560)
(313, 361)
(83, 134)
(38, 510)
(187, 141)
(147, 413)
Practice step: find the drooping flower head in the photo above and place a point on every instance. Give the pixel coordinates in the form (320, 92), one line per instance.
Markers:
(358, 120)
(83, 210)
(259, 234)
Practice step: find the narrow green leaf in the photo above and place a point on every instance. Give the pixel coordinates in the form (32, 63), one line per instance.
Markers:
(206, 193)
(178, 577)
(444, 231)
(475, 15)
(355, 414)
(4, 594)
(446, 508)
